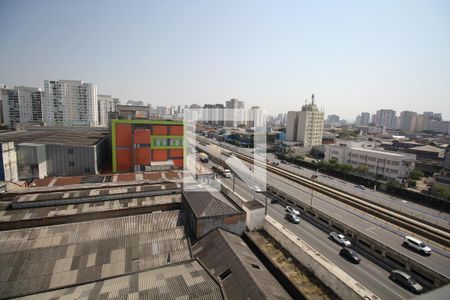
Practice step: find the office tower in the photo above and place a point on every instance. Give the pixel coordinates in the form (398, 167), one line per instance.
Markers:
(21, 105)
(70, 103)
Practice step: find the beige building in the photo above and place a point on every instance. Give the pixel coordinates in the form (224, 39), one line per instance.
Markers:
(306, 126)
(377, 163)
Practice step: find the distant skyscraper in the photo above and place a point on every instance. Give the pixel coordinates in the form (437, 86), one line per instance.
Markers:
(233, 116)
(385, 118)
(70, 103)
(306, 126)
(407, 121)
(21, 105)
(365, 119)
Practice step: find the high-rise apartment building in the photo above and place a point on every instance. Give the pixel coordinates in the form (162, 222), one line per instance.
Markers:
(365, 119)
(21, 105)
(407, 121)
(306, 126)
(233, 115)
(385, 118)
(70, 103)
(333, 120)
(106, 105)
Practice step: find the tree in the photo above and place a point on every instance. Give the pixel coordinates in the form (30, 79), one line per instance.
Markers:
(416, 174)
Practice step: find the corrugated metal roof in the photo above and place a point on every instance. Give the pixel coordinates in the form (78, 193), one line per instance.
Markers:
(206, 204)
(188, 280)
(84, 208)
(241, 273)
(75, 137)
(38, 259)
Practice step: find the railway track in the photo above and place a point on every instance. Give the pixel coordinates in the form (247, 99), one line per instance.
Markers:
(430, 231)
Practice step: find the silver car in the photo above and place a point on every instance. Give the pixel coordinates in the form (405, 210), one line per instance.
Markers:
(340, 239)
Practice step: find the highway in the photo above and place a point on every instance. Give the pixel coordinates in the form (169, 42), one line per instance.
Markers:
(367, 273)
(377, 229)
(396, 204)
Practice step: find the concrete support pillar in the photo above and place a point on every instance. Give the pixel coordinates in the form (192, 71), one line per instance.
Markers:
(383, 253)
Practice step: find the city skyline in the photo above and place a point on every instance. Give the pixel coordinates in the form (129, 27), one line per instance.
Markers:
(268, 55)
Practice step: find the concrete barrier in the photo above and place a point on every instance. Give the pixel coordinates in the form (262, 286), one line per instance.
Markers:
(332, 276)
(426, 276)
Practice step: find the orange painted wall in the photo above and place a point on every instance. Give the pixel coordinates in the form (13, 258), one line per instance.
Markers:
(124, 162)
(159, 130)
(175, 153)
(178, 162)
(123, 135)
(176, 130)
(159, 155)
(142, 136)
(142, 156)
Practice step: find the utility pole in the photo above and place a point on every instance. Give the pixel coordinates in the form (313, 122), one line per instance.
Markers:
(234, 181)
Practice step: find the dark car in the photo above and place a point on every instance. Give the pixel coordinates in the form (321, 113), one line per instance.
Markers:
(283, 162)
(350, 255)
(292, 218)
(406, 280)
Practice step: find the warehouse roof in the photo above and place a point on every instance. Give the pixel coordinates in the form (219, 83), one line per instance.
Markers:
(187, 280)
(207, 204)
(241, 273)
(75, 137)
(428, 148)
(69, 213)
(38, 259)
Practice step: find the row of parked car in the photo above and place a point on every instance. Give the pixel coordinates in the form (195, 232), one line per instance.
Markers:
(400, 277)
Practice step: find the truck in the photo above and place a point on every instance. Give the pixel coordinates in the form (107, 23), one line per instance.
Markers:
(204, 157)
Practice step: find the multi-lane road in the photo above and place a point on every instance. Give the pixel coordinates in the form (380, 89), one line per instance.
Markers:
(368, 273)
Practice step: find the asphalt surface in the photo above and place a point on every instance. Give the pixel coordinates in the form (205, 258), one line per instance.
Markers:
(369, 274)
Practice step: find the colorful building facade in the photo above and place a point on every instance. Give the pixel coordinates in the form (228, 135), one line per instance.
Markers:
(137, 144)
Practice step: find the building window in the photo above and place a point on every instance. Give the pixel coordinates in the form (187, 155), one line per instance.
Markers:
(71, 164)
(87, 170)
(70, 151)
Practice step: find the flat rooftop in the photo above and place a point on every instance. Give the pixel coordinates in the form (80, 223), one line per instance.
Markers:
(386, 153)
(57, 136)
(34, 260)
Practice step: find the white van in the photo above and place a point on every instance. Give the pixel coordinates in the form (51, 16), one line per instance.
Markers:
(416, 244)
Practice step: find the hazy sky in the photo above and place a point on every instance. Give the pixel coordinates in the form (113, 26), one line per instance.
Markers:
(354, 55)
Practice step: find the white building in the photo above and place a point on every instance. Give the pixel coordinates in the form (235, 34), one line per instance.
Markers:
(21, 105)
(106, 104)
(385, 118)
(70, 103)
(407, 121)
(390, 165)
(8, 162)
(438, 126)
(305, 126)
(234, 113)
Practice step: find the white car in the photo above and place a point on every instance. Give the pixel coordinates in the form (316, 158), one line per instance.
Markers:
(417, 245)
(292, 210)
(340, 239)
(257, 189)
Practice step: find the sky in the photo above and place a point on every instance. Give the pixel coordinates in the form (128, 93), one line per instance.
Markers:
(353, 55)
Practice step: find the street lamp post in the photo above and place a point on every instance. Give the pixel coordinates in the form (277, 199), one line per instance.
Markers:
(265, 209)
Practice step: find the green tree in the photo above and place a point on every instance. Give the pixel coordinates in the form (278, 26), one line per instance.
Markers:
(416, 174)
